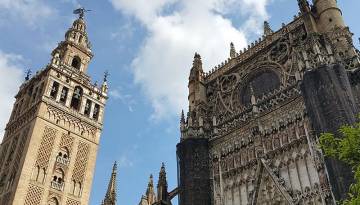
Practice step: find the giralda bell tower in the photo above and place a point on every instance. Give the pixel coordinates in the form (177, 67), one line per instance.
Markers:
(49, 150)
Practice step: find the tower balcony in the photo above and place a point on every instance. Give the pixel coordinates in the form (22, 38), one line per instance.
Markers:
(63, 161)
(57, 185)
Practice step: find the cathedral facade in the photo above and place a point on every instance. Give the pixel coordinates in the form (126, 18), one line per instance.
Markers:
(48, 153)
(251, 133)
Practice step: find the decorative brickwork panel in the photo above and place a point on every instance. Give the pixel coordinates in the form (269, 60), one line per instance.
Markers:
(67, 141)
(82, 157)
(46, 147)
(34, 195)
(72, 202)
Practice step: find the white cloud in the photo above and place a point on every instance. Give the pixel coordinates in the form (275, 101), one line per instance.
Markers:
(126, 99)
(176, 30)
(124, 162)
(30, 11)
(10, 78)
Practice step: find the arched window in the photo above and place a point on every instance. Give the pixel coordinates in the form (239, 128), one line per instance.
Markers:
(58, 179)
(53, 201)
(63, 156)
(87, 108)
(54, 89)
(76, 62)
(76, 99)
(96, 112)
(58, 176)
(259, 85)
(80, 39)
(64, 94)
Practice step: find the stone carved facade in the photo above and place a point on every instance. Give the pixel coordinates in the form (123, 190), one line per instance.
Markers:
(256, 117)
(49, 149)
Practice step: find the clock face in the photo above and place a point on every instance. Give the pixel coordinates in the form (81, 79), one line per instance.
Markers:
(259, 85)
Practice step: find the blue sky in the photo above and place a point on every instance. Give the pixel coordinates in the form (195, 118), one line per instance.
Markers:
(147, 46)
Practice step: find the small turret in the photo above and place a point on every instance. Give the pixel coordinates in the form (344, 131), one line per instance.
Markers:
(328, 14)
(232, 50)
(150, 193)
(162, 186)
(196, 84)
(196, 71)
(330, 21)
(267, 29)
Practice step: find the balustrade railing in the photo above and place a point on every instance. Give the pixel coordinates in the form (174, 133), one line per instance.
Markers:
(57, 185)
(62, 160)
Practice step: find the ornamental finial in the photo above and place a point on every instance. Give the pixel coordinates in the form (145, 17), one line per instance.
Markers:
(81, 11)
(106, 75)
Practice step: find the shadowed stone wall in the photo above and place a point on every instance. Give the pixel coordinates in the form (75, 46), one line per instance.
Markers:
(330, 104)
(194, 173)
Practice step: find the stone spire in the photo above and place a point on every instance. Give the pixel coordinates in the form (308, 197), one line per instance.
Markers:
(150, 193)
(110, 197)
(232, 50)
(182, 121)
(196, 84)
(196, 71)
(162, 186)
(267, 29)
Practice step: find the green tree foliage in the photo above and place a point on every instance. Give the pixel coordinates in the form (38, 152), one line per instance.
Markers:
(347, 149)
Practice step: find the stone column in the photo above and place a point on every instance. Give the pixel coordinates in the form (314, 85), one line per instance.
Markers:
(82, 105)
(58, 95)
(69, 97)
(92, 110)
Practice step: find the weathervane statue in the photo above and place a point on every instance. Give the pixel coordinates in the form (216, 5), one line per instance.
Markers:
(81, 11)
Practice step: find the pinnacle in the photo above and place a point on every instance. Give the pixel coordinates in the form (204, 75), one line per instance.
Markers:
(197, 56)
(267, 29)
(114, 167)
(151, 182)
(182, 119)
(110, 197)
(232, 50)
(162, 174)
